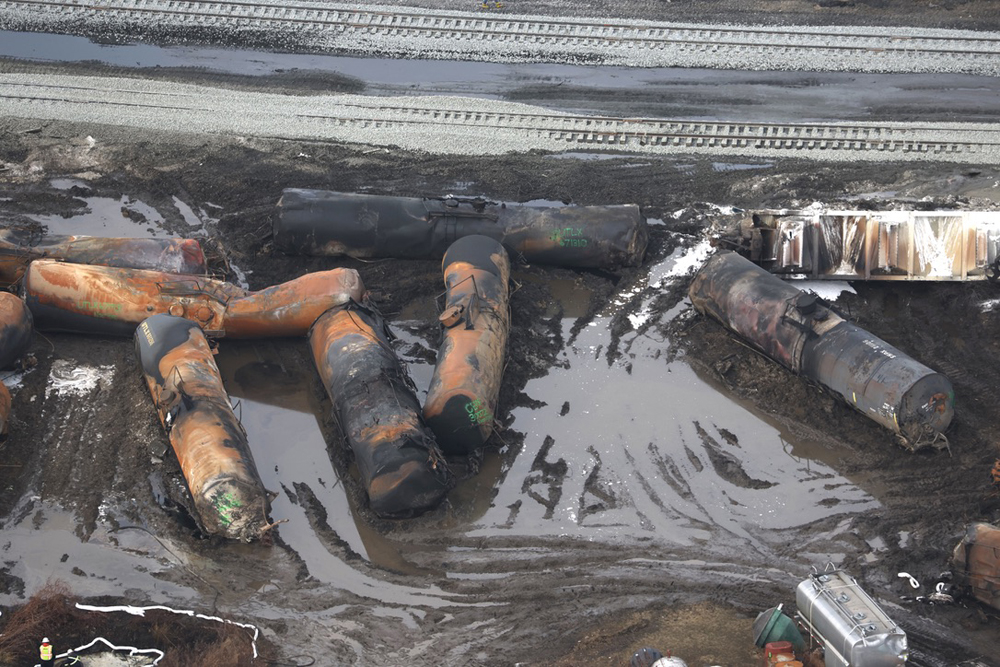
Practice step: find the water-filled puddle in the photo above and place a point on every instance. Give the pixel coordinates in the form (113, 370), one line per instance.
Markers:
(41, 545)
(272, 390)
(645, 447)
(639, 450)
(124, 217)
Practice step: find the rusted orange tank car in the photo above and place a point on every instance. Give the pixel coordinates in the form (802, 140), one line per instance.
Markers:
(113, 301)
(463, 392)
(209, 441)
(374, 404)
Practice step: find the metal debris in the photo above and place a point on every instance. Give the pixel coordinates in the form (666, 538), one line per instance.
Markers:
(872, 245)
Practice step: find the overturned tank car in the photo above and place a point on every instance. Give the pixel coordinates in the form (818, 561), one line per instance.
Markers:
(209, 441)
(113, 301)
(796, 329)
(975, 563)
(462, 396)
(18, 248)
(322, 223)
(377, 411)
(15, 337)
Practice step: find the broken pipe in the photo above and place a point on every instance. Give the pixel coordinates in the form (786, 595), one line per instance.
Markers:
(463, 391)
(317, 222)
(378, 413)
(795, 329)
(209, 441)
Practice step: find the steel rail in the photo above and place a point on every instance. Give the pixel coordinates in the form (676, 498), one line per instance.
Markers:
(449, 27)
(624, 134)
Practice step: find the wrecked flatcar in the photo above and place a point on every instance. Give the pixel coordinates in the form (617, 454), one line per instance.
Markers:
(871, 245)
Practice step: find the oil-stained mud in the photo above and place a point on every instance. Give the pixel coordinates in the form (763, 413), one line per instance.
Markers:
(652, 481)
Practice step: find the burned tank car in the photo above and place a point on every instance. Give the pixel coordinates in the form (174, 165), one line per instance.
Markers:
(322, 223)
(462, 396)
(376, 408)
(802, 334)
(16, 328)
(18, 248)
(211, 445)
(113, 301)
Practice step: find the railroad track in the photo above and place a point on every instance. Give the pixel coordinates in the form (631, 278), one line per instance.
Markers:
(473, 126)
(411, 32)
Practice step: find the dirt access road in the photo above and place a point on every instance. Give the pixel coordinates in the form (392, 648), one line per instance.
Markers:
(655, 482)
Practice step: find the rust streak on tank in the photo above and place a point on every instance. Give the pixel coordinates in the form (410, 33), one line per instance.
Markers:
(209, 441)
(461, 400)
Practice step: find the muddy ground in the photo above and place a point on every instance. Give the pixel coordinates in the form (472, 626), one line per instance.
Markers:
(573, 612)
(459, 586)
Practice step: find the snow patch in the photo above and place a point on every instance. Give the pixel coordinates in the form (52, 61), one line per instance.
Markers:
(69, 379)
(990, 305)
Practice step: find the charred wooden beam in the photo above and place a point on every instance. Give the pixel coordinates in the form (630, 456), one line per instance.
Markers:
(18, 249)
(317, 222)
(16, 327)
(112, 301)
(209, 441)
(462, 397)
(378, 413)
(798, 331)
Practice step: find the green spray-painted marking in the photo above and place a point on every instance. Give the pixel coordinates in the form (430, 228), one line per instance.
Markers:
(569, 237)
(101, 307)
(225, 503)
(478, 413)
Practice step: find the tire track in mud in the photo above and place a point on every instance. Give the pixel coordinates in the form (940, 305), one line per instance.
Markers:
(423, 33)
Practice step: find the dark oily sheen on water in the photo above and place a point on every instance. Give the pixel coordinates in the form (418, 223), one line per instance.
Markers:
(376, 408)
(795, 329)
(463, 392)
(209, 441)
(112, 301)
(323, 223)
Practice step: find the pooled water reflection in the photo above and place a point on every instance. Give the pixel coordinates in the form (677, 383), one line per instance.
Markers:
(639, 449)
(642, 447)
(279, 414)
